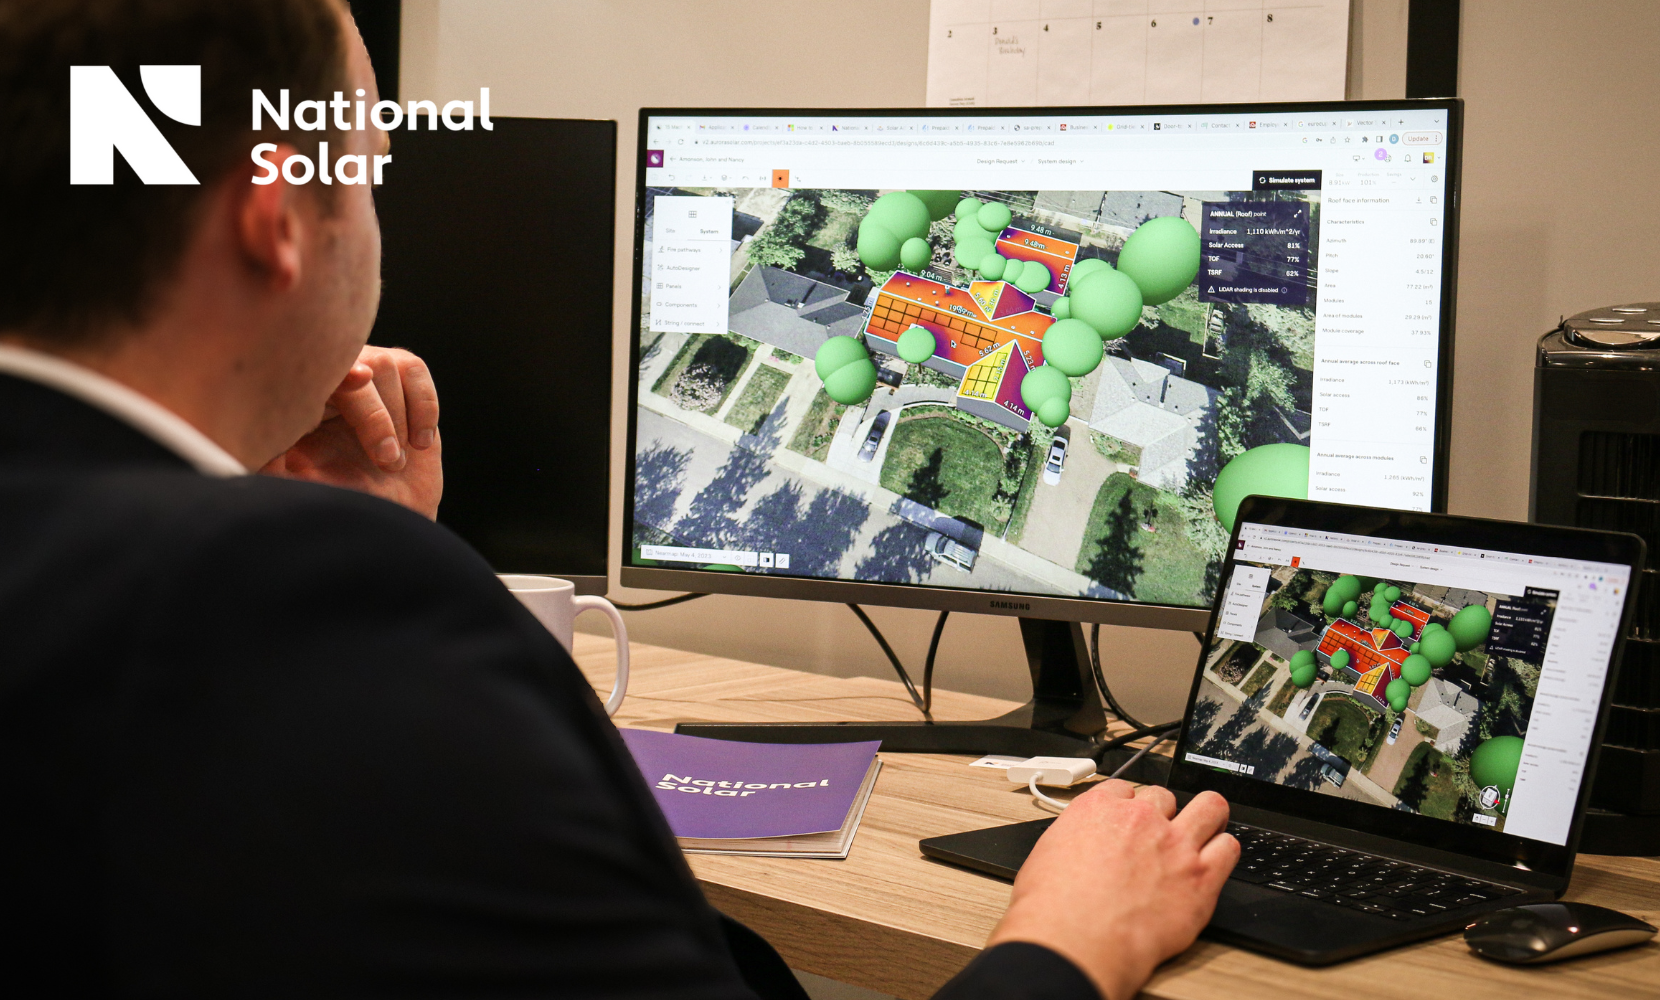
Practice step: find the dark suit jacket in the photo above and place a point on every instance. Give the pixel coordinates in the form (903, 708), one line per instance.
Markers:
(267, 738)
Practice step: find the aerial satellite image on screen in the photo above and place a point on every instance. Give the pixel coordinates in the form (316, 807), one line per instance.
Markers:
(1044, 392)
(1408, 696)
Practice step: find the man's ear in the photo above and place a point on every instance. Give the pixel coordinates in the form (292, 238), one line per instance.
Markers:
(269, 224)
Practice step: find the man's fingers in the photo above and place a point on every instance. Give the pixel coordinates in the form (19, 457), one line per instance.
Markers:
(420, 398)
(1219, 856)
(1203, 819)
(360, 376)
(1111, 789)
(389, 384)
(1160, 798)
(366, 414)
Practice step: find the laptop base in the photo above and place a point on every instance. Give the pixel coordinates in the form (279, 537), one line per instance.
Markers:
(1249, 916)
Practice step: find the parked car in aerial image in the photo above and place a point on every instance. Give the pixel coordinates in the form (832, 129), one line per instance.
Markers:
(878, 427)
(950, 551)
(1056, 461)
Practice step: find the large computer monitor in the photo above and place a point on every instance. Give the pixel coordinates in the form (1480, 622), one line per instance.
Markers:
(498, 271)
(1027, 361)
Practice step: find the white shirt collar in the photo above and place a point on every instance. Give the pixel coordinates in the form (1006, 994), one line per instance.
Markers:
(126, 405)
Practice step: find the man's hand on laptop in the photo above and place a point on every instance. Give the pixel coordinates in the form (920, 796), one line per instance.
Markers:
(1122, 881)
(379, 434)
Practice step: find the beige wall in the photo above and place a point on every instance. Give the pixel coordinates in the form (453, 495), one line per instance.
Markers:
(1557, 198)
(1562, 150)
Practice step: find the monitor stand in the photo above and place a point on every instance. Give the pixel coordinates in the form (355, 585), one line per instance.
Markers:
(1063, 719)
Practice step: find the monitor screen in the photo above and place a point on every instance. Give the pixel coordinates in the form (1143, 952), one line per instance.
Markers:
(1461, 684)
(514, 318)
(1031, 352)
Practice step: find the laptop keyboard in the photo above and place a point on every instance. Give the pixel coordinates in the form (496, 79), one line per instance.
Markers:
(1353, 879)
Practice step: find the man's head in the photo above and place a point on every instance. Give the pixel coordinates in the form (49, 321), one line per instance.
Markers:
(239, 306)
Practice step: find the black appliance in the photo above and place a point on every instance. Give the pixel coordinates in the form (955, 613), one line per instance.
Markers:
(1596, 464)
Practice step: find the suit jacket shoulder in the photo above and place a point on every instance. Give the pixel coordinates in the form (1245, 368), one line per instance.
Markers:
(325, 750)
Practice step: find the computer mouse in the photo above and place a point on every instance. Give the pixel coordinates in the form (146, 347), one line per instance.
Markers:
(1550, 932)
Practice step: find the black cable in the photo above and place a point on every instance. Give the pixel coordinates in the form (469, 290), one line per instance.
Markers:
(898, 668)
(928, 668)
(1101, 680)
(654, 605)
(1140, 733)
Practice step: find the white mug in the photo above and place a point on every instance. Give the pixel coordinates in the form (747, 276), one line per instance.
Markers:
(554, 603)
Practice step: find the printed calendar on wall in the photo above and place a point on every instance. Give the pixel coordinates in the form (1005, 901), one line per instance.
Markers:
(1015, 53)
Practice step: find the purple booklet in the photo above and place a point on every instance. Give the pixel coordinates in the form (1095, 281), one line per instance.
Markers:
(724, 790)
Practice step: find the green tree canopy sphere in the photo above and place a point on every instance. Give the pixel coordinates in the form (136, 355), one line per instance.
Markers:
(1342, 591)
(1084, 268)
(968, 208)
(1415, 670)
(940, 203)
(1469, 627)
(970, 252)
(1397, 693)
(915, 253)
(1061, 308)
(1496, 761)
(902, 212)
(1108, 301)
(1402, 627)
(917, 344)
(991, 267)
(1042, 384)
(1302, 658)
(968, 228)
(1434, 627)
(889, 223)
(1011, 270)
(1438, 647)
(1379, 611)
(877, 246)
(1072, 346)
(852, 383)
(1303, 676)
(1273, 470)
(1054, 411)
(1034, 277)
(1366, 583)
(1349, 608)
(837, 352)
(994, 217)
(1340, 659)
(1391, 594)
(1162, 256)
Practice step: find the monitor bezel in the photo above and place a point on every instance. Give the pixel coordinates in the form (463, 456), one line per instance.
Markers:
(931, 597)
(1538, 857)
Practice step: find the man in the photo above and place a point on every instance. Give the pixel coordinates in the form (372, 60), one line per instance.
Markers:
(269, 737)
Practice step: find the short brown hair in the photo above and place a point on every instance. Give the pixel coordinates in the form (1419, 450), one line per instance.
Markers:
(76, 259)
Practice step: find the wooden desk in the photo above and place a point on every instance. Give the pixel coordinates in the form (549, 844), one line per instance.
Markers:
(890, 920)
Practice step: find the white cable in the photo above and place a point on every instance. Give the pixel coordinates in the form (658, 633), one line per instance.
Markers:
(1059, 804)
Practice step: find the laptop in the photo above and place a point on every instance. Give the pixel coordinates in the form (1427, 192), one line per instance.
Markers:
(1403, 710)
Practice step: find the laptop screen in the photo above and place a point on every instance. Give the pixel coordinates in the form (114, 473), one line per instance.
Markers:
(1452, 683)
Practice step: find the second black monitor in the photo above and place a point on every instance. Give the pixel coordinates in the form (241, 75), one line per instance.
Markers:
(497, 268)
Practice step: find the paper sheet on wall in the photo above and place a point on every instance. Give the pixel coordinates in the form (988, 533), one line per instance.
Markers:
(1014, 53)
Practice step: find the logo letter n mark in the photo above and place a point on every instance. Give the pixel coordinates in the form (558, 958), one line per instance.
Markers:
(104, 117)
